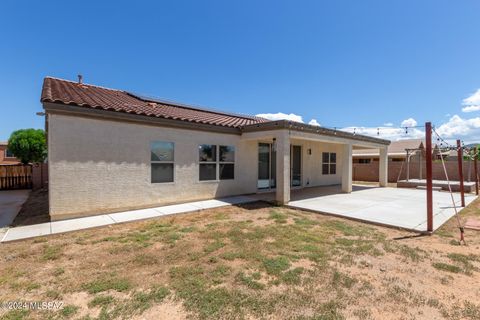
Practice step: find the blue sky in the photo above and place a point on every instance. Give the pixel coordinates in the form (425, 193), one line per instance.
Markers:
(353, 63)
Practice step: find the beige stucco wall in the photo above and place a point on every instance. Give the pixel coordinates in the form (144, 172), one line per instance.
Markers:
(100, 166)
(312, 164)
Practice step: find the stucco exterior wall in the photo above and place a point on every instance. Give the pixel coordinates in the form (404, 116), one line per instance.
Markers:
(312, 163)
(100, 166)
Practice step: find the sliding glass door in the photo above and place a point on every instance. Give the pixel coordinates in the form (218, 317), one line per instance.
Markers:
(266, 166)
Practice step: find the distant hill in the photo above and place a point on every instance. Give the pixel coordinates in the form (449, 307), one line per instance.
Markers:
(471, 145)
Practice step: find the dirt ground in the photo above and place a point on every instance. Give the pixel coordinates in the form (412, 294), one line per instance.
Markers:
(246, 262)
(34, 210)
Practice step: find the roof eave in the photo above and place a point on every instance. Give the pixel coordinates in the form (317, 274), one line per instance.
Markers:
(302, 127)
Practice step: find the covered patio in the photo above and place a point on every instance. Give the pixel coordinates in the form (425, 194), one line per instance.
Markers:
(291, 156)
(395, 207)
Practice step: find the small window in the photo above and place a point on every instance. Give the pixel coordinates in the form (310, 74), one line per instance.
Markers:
(329, 163)
(364, 161)
(213, 167)
(162, 161)
(9, 154)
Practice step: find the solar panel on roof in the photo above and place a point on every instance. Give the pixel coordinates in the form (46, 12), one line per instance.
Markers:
(182, 105)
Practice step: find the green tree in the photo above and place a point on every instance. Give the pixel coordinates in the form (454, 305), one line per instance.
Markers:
(28, 145)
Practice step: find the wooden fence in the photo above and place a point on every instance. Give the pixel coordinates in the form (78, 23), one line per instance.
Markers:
(15, 177)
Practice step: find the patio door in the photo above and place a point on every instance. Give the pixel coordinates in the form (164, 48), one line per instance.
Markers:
(296, 166)
(266, 166)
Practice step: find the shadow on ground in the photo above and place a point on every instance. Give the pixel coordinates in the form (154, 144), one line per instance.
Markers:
(34, 210)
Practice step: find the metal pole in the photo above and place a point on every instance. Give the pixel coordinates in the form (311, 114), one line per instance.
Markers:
(428, 163)
(475, 169)
(408, 165)
(460, 170)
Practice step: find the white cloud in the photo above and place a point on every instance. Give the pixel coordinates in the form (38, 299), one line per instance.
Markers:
(459, 128)
(467, 130)
(472, 103)
(456, 127)
(281, 116)
(410, 122)
(389, 133)
(471, 108)
(472, 100)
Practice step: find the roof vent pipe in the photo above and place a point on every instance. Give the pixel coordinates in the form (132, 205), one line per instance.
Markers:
(80, 79)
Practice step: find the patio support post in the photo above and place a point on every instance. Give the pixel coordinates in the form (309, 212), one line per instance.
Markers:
(383, 167)
(428, 160)
(347, 168)
(282, 195)
(460, 170)
(475, 169)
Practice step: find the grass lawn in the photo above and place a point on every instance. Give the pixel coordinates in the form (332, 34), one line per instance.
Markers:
(247, 262)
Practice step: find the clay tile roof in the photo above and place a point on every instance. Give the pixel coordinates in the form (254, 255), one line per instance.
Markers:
(90, 96)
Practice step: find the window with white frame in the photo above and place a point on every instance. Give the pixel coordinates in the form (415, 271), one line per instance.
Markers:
(162, 161)
(329, 163)
(216, 162)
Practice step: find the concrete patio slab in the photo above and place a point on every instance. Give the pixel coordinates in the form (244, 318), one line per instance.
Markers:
(56, 227)
(11, 202)
(404, 208)
(81, 223)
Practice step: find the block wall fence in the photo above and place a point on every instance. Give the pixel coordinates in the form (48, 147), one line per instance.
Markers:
(369, 171)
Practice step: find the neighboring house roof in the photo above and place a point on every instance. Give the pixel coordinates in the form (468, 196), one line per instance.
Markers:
(95, 97)
(3, 143)
(453, 153)
(396, 148)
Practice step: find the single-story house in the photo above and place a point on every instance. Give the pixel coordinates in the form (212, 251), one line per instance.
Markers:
(113, 150)
(452, 155)
(6, 156)
(397, 151)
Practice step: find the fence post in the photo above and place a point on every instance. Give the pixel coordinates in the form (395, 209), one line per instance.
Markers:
(428, 160)
(460, 170)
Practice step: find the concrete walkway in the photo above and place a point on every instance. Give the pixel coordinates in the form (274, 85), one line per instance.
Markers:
(10, 204)
(56, 227)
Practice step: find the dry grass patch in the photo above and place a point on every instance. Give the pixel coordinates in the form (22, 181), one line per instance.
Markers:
(242, 262)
